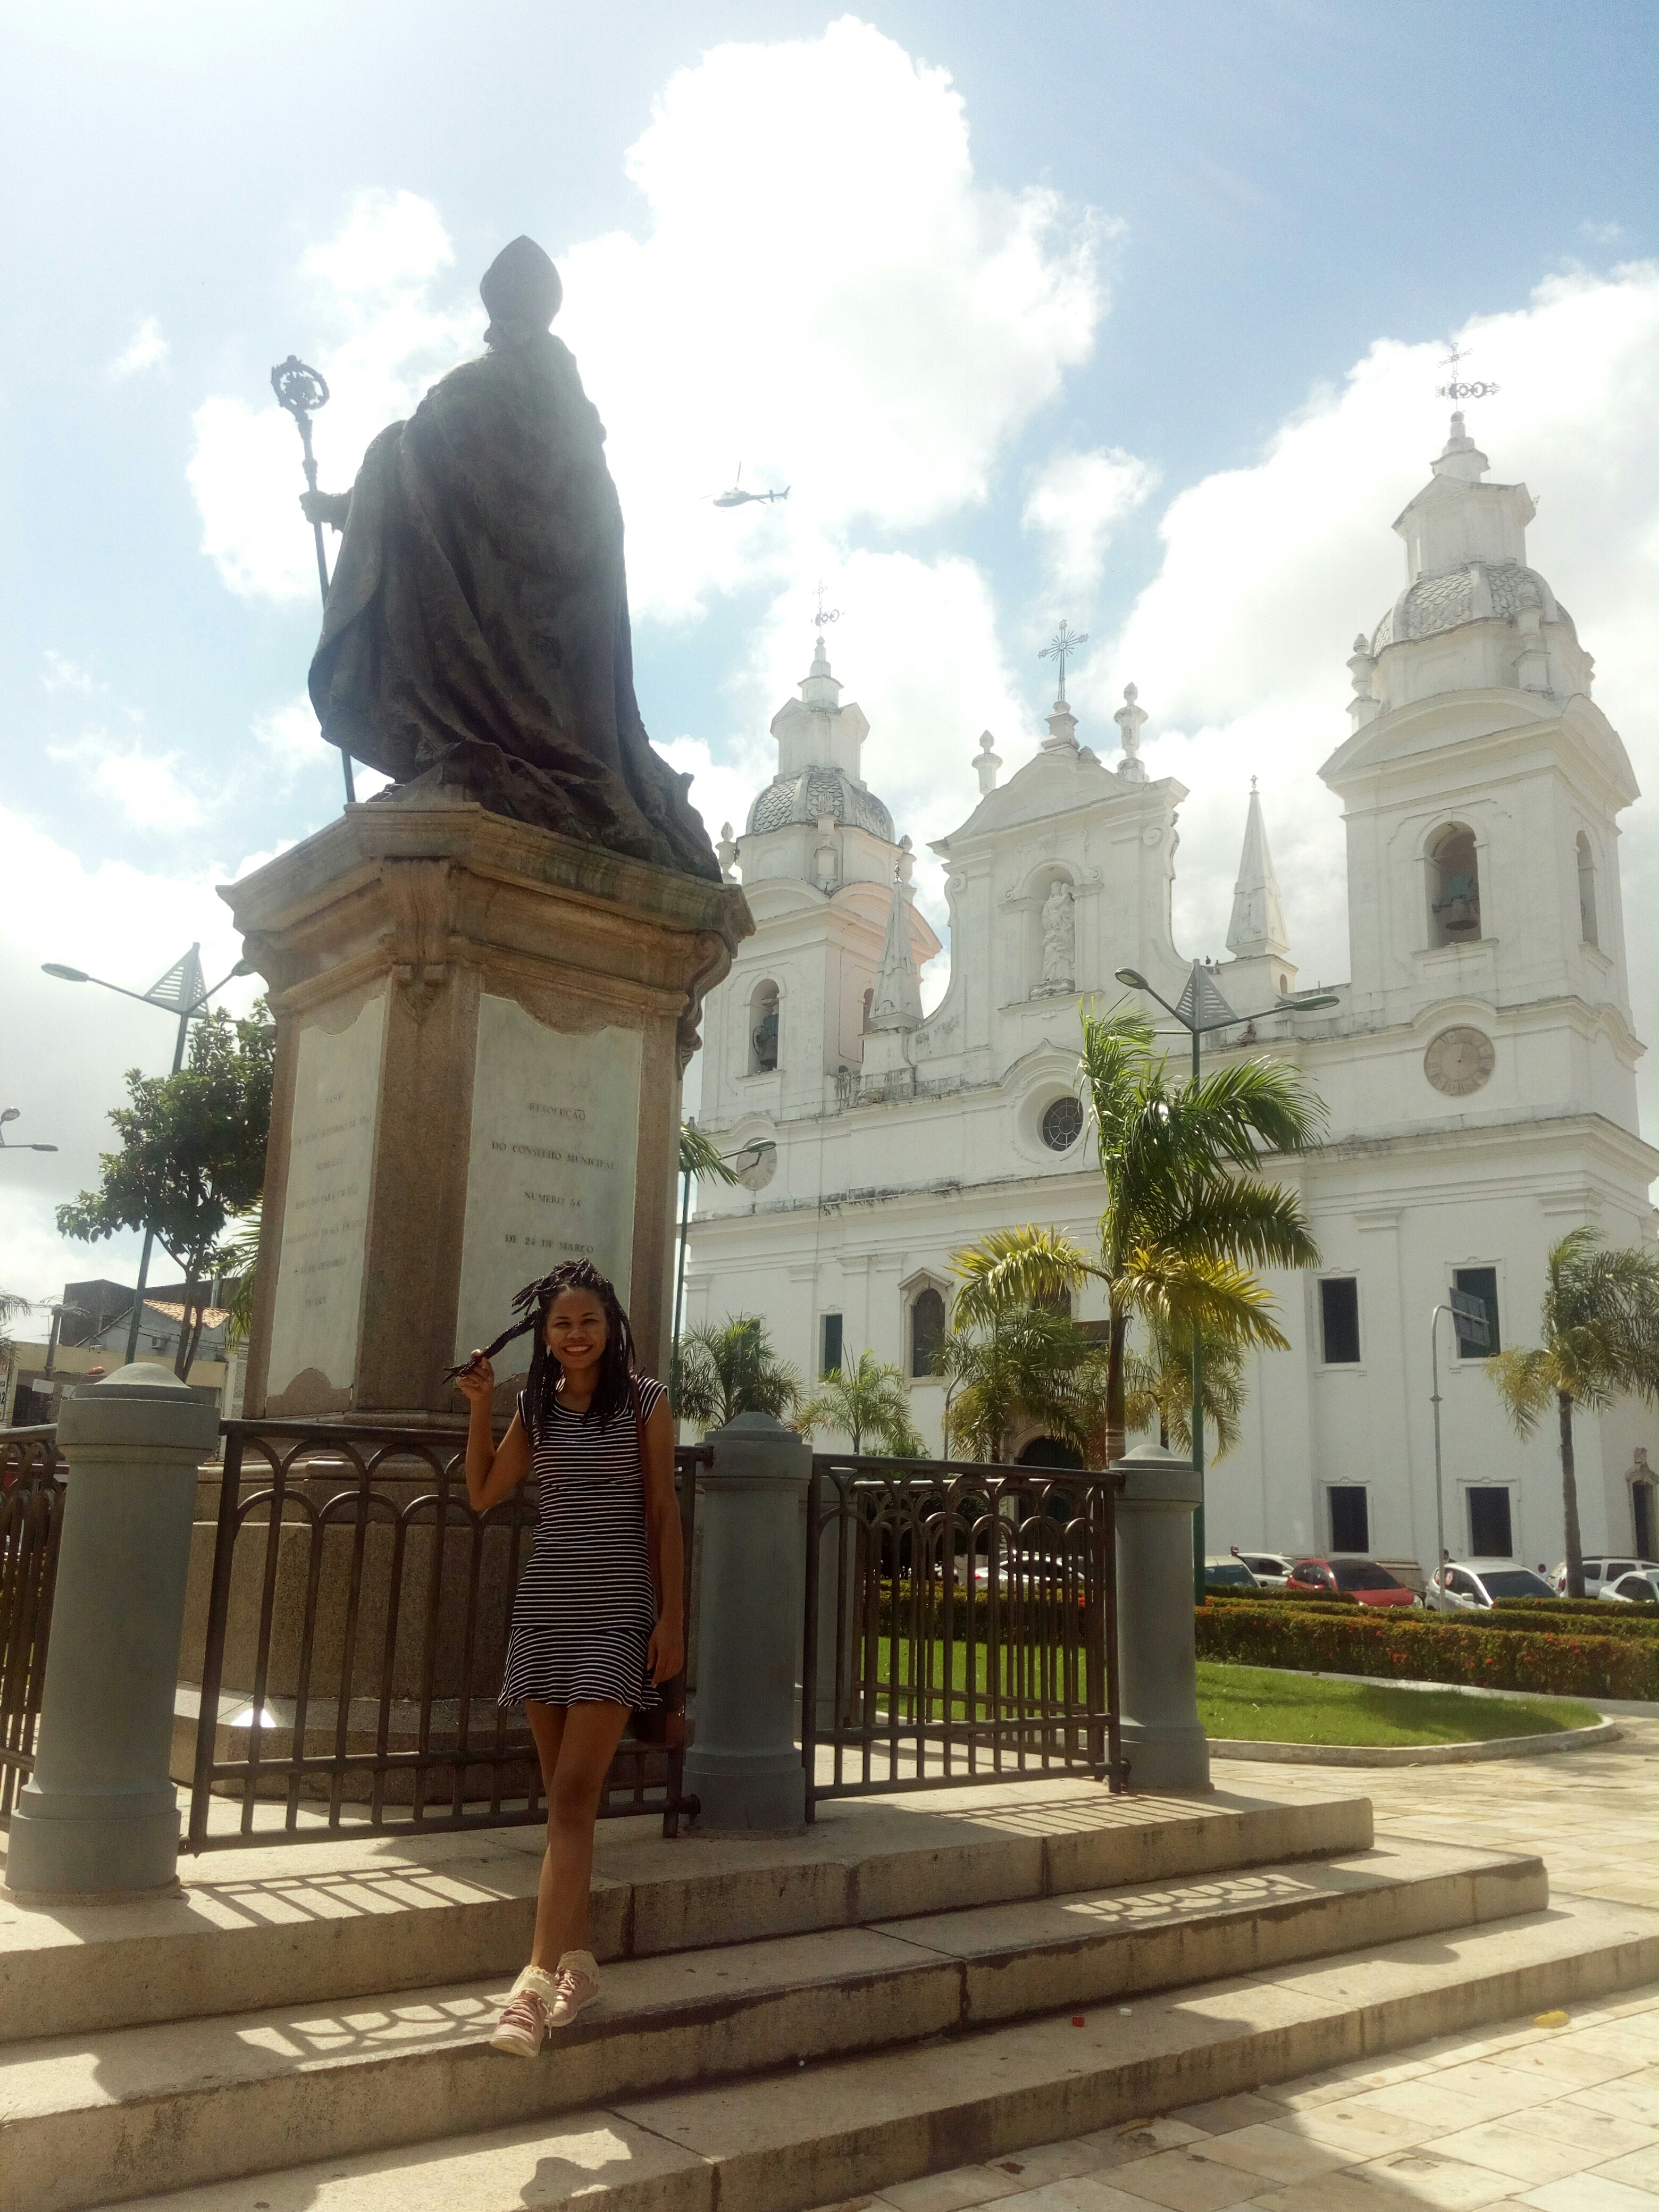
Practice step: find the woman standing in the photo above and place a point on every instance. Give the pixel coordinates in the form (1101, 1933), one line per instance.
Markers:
(597, 1618)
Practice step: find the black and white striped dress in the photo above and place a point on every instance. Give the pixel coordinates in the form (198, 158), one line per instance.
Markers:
(584, 1607)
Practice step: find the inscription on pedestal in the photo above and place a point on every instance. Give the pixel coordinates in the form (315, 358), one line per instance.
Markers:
(319, 1275)
(555, 1123)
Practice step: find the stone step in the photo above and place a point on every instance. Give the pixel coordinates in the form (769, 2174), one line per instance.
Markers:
(809, 2136)
(204, 2100)
(316, 1922)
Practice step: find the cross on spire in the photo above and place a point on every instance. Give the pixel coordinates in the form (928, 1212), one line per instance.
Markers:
(1455, 390)
(824, 615)
(1061, 646)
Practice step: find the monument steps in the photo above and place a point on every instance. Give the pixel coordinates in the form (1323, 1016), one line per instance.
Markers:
(369, 1914)
(969, 2009)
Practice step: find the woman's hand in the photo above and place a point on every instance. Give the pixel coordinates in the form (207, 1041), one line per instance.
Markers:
(665, 1655)
(478, 1384)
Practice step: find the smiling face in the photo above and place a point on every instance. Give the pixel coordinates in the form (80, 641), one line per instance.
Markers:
(576, 1330)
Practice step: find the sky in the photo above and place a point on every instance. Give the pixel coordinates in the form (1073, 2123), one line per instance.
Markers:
(1130, 316)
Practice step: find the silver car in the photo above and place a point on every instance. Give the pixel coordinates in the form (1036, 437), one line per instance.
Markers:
(1641, 1588)
(1604, 1568)
(1475, 1585)
(1270, 1569)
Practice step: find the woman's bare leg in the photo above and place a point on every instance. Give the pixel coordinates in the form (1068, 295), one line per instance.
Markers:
(575, 1745)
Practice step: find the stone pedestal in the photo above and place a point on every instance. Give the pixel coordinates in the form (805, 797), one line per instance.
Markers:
(482, 1029)
(1157, 1665)
(744, 1764)
(99, 1817)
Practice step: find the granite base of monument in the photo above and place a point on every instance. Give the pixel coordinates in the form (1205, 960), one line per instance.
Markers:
(481, 1032)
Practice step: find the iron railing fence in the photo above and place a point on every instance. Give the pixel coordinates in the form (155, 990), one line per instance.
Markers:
(961, 1625)
(355, 1634)
(31, 1523)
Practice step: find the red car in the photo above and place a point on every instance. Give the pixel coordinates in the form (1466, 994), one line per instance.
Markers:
(1360, 1579)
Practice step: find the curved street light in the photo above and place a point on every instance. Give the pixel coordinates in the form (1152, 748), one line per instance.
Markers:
(11, 1114)
(179, 992)
(1201, 1009)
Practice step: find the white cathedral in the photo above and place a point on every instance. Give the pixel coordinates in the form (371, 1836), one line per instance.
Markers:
(1478, 1068)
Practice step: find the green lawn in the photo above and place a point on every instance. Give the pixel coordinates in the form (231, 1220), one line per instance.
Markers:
(1261, 1703)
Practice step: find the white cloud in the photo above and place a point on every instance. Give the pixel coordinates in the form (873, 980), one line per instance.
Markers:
(720, 794)
(1239, 644)
(871, 327)
(1076, 503)
(63, 674)
(145, 348)
(144, 786)
(1603, 234)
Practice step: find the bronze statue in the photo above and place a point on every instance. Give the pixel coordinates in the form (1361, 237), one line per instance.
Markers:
(477, 625)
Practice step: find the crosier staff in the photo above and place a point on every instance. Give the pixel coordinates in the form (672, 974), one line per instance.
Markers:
(301, 390)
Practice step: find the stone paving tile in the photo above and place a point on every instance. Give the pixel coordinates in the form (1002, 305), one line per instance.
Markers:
(1640, 2169)
(1186, 2181)
(1424, 2177)
(1586, 2192)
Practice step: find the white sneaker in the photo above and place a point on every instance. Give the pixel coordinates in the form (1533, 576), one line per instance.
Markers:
(525, 2015)
(576, 1985)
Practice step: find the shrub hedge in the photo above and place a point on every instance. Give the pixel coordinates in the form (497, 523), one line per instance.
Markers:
(1431, 1648)
(1643, 1617)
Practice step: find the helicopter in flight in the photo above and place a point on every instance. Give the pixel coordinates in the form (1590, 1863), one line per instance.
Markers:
(739, 497)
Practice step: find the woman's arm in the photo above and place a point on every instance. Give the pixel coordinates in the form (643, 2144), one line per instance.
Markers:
(493, 1471)
(665, 1654)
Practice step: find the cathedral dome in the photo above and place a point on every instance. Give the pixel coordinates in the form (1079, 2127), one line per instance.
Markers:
(1476, 592)
(819, 789)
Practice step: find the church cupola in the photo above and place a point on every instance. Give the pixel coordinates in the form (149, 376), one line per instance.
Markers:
(820, 754)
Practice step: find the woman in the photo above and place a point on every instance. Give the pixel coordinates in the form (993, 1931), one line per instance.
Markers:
(597, 1624)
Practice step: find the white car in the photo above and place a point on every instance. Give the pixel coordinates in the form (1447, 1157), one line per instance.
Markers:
(1475, 1585)
(1641, 1588)
(1270, 1569)
(1229, 1573)
(1602, 1569)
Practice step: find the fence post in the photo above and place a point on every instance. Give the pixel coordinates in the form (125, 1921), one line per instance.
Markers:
(1163, 1739)
(743, 1763)
(100, 1816)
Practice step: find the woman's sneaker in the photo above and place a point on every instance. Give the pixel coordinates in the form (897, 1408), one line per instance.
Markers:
(574, 1986)
(525, 2015)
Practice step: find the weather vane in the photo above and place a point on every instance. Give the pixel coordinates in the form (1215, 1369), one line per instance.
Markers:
(1061, 647)
(825, 614)
(301, 390)
(1456, 392)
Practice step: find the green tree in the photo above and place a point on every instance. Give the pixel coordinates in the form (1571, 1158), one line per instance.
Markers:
(868, 1403)
(1008, 1362)
(731, 1370)
(238, 1258)
(193, 1154)
(1188, 1216)
(1599, 1327)
(1158, 1388)
(12, 1306)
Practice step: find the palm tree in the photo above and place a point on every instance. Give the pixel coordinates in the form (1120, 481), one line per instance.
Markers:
(699, 1157)
(1601, 1329)
(12, 1306)
(1014, 1362)
(731, 1370)
(1187, 1214)
(1158, 1387)
(867, 1401)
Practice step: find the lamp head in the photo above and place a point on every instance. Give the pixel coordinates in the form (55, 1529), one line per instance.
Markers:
(243, 968)
(64, 975)
(1133, 978)
(1304, 1002)
(10, 1115)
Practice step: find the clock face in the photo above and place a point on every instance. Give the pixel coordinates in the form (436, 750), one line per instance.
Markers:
(1459, 1061)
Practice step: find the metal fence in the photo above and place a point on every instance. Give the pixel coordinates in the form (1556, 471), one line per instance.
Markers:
(356, 1633)
(31, 1522)
(961, 1625)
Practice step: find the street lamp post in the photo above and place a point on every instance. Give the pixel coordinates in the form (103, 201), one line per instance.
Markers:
(1201, 1009)
(179, 992)
(1471, 1313)
(10, 1115)
(753, 1153)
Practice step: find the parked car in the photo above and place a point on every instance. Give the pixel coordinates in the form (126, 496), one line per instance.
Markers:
(1640, 1589)
(1270, 1569)
(1475, 1585)
(1361, 1579)
(1602, 1569)
(1229, 1573)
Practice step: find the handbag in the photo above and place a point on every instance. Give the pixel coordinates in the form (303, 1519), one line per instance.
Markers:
(661, 1727)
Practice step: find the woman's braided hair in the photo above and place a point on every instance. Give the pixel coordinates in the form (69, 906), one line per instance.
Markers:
(532, 1305)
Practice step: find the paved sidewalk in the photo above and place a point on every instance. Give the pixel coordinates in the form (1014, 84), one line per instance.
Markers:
(1563, 2118)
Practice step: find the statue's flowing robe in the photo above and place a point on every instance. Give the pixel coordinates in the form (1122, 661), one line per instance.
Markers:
(477, 619)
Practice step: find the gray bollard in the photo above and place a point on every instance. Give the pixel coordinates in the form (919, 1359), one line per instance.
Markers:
(744, 1764)
(1157, 1666)
(99, 1817)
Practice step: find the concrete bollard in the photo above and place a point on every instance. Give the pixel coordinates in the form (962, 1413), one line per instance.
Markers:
(1157, 1666)
(99, 1817)
(744, 1764)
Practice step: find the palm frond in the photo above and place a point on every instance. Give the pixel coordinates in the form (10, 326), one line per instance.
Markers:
(1010, 1268)
(1527, 1382)
(698, 1156)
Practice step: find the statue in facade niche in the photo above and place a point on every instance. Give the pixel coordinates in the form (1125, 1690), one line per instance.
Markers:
(1059, 937)
(476, 626)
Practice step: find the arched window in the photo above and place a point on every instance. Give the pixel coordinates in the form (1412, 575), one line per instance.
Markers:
(927, 1330)
(763, 1029)
(1586, 892)
(1454, 888)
